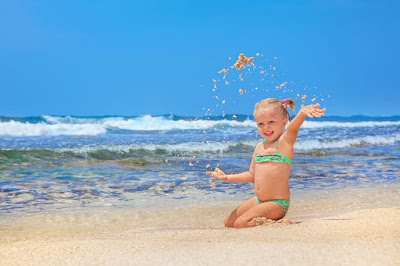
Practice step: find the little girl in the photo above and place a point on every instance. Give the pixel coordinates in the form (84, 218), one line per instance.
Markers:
(271, 163)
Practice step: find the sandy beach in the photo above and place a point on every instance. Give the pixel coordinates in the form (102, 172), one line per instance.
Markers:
(329, 235)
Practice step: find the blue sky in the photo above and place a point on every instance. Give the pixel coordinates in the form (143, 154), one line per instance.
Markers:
(159, 57)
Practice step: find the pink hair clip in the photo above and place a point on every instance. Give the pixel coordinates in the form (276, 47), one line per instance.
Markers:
(285, 101)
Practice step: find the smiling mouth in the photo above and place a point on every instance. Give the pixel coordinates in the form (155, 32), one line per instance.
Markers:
(268, 133)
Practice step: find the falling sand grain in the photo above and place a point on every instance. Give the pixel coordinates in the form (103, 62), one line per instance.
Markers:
(212, 184)
(223, 70)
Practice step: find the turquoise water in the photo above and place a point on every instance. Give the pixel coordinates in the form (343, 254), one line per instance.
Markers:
(59, 163)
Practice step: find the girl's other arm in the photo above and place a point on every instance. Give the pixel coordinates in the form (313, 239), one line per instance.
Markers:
(244, 177)
(311, 111)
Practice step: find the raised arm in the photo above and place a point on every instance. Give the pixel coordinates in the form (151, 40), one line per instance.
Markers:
(292, 130)
(244, 177)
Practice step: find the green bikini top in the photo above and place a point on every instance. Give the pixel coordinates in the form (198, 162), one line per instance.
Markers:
(273, 157)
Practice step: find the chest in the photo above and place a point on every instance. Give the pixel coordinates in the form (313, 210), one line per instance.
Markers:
(265, 155)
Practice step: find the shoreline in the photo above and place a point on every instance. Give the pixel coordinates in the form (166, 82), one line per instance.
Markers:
(336, 201)
(335, 231)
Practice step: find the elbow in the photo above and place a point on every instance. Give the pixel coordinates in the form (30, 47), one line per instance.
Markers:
(251, 176)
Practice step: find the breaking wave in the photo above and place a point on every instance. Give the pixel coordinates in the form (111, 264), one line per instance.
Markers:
(92, 126)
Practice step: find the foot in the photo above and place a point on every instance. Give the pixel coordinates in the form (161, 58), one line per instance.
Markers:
(286, 221)
(265, 221)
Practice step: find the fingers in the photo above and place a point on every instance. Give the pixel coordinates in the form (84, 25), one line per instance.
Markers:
(213, 175)
(316, 113)
(221, 178)
(312, 111)
(217, 174)
(320, 110)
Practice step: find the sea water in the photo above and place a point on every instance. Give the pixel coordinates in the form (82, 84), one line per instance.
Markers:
(52, 163)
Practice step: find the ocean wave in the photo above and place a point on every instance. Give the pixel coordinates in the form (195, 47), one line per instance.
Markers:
(91, 126)
(190, 147)
(19, 129)
(131, 154)
(148, 122)
(238, 146)
(222, 146)
(140, 155)
(328, 124)
(314, 144)
(151, 123)
(53, 126)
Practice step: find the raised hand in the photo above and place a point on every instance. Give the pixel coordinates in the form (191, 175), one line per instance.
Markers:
(218, 174)
(313, 111)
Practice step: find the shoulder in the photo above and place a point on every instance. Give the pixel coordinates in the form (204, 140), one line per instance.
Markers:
(256, 149)
(258, 145)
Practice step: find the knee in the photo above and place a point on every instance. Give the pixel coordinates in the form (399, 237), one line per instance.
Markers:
(228, 222)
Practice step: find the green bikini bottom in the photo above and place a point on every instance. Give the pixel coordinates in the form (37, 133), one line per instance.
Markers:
(281, 202)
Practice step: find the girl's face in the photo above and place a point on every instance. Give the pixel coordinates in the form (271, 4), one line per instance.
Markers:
(270, 124)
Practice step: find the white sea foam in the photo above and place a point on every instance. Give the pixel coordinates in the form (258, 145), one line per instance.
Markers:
(160, 123)
(68, 125)
(13, 128)
(313, 144)
(327, 124)
(148, 122)
(94, 126)
(222, 147)
(190, 147)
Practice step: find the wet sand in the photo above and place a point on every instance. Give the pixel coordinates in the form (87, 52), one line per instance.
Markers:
(335, 232)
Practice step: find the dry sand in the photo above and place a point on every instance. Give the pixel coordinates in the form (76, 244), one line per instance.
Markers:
(368, 236)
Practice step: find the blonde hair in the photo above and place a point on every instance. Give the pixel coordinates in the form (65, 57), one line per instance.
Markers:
(271, 103)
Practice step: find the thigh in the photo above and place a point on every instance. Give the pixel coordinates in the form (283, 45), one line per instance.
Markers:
(244, 207)
(269, 210)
